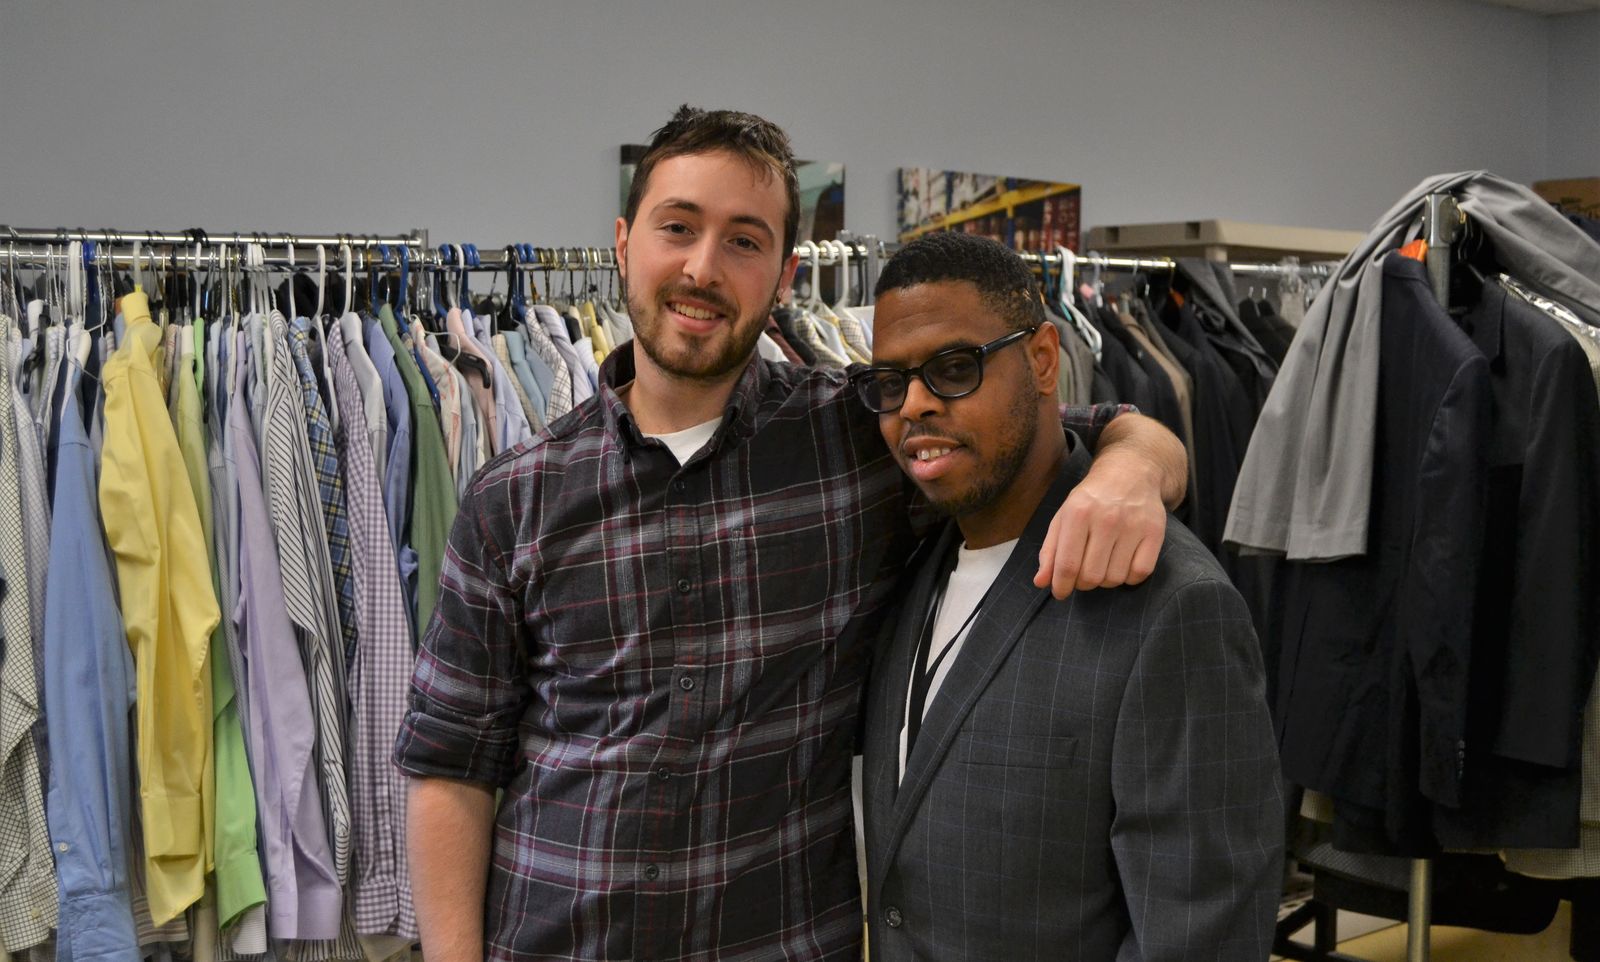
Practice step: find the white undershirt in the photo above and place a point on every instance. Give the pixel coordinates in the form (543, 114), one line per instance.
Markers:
(975, 571)
(687, 443)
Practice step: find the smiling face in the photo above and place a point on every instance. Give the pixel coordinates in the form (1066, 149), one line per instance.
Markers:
(969, 454)
(704, 263)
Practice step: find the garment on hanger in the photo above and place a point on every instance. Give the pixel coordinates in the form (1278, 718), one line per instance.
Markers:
(303, 891)
(168, 610)
(28, 902)
(379, 678)
(88, 677)
(1307, 475)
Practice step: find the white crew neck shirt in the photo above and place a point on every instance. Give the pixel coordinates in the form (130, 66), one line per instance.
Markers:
(975, 570)
(687, 443)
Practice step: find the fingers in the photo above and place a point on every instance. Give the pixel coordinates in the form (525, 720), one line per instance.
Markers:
(1144, 559)
(1070, 533)
(1047, 555)
(1094, 542)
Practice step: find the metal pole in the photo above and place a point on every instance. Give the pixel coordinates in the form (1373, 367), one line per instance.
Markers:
(1420, 915)
(1440, 220)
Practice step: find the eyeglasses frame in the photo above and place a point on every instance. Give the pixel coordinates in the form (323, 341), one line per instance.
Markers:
(979, 353)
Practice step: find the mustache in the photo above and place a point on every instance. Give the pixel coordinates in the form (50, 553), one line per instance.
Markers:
(700, 294)
(921, 430)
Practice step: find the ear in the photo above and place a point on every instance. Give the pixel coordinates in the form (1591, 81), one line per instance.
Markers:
(622, 247)
(786, 277)
(1044, 354)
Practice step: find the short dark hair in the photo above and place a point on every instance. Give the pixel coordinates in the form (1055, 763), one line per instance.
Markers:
(1003, 280)
(691, 130)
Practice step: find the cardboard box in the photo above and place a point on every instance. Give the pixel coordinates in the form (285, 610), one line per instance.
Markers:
(1581, 196)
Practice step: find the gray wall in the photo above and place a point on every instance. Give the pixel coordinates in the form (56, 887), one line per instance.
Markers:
(499, 121)
(1574, 96)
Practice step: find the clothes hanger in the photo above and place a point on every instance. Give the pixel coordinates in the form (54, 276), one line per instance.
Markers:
(841, 277)
(1069, 273)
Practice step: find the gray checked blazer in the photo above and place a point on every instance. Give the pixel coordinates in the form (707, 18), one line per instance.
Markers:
(1097, 778)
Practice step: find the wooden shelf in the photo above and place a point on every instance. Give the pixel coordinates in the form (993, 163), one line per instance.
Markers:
(1223, 240)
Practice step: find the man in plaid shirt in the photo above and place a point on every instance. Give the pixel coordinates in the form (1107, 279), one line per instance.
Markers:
(653, 619)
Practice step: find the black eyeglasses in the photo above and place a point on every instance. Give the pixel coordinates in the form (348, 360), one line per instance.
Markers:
(950, 374)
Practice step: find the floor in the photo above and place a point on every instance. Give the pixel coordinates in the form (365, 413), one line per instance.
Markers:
(1468, 945)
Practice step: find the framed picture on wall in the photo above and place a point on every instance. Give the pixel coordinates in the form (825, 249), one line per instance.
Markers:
(1025, 215)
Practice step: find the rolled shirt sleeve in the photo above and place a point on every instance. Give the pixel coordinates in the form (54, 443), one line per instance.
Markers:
(469, 687)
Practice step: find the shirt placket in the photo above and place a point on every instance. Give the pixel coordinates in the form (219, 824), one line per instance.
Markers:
(688, 521)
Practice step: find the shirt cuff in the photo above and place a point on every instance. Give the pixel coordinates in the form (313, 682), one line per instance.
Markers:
(97, 928)
(443, 748)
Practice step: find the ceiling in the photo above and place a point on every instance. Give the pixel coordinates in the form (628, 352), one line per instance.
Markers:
(1549, 6)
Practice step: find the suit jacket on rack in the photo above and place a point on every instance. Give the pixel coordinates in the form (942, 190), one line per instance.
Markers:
(1095, 779)
(1536, 634)
(1372, 699)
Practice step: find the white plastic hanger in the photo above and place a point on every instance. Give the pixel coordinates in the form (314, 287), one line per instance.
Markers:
(841, 284)
(349, 286)
(1069, 277)
(292, 311)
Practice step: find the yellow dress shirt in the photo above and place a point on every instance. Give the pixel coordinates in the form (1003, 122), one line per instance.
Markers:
(168, 611)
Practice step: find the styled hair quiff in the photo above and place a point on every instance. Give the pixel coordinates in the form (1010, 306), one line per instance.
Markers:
(759, 142)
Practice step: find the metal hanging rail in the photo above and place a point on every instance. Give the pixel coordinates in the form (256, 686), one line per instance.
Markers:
(42, 247)
(65, 235)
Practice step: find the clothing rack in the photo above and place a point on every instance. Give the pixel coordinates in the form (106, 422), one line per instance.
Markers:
(44, 248)
(31, 247)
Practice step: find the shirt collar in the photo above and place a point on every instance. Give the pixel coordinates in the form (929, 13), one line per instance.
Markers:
(739, 417)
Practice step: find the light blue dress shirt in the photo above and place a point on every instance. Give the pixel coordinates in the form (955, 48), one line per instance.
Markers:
(89, 686)
(517, 345)
(397, 403)
(517, 350)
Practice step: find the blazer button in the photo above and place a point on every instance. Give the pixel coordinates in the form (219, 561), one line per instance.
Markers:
(892, 916)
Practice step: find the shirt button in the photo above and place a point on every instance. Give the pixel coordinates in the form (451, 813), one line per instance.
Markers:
(683, 586)
(663, 773)
(63, 847)
(680, 486)
(686, 683)
(651, 872)
(892, 916)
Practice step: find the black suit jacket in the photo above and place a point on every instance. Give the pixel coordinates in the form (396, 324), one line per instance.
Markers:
(1536, 631)
(1095, 779)
(1372, 697)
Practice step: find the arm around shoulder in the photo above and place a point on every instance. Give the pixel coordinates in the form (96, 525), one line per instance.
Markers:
(1111, 528)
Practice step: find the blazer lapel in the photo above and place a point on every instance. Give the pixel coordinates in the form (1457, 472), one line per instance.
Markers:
(994, 633)
(891, 672)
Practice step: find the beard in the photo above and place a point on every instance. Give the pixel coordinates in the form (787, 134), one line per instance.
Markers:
(1017, 438)
(711, 358)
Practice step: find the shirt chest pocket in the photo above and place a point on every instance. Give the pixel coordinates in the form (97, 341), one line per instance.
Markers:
(785, 570)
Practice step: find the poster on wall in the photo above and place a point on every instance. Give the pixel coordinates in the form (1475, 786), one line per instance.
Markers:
(1579, 196)
(821, 193)
(1024, 215)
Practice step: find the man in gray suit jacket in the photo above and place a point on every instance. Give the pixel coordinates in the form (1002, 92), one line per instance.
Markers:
(1088, 779)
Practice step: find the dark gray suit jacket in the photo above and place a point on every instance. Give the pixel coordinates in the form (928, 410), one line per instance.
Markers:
(1096, 779)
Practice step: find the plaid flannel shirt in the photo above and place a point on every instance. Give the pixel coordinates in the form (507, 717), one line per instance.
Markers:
(662, 666)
